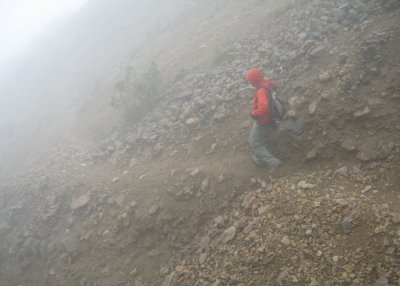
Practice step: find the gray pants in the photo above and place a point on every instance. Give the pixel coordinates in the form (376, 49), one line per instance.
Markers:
(260, 153)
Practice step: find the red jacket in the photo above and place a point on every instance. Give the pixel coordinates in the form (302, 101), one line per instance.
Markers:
(260, 100)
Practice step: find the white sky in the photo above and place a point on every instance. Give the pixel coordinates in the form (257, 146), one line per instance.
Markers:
(22, 20)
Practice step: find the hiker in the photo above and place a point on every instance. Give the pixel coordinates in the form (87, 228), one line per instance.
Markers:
(263, 125)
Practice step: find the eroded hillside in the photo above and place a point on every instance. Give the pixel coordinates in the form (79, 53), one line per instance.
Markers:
(175, 198)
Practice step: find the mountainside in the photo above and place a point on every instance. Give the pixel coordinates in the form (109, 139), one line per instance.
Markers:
(172, 196)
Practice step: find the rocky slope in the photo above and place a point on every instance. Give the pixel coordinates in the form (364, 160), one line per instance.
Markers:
(176, 201)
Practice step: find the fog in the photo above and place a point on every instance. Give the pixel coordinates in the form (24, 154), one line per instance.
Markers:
(24, 21)
(61, 60)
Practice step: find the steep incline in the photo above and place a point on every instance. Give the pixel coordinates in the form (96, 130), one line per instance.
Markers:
(177, 200)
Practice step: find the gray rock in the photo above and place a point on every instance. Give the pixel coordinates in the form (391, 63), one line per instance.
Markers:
(203, 258)
(382, 281)
(311, 155)
(246, 124)
(80, 201)
(362, 112)
(349, 145)
(343, 171)
(324, 77)
(204, 243)
(299, 86)
(228, 234)
(343, 57)
(305, 185)
(221, 112)
(346, 222)
(262, 210)
(313, 107)
(219, 220)
(369, 151)
(317, 52)
(248, 201)
(193, 121)
(194, 172)
(302, 36)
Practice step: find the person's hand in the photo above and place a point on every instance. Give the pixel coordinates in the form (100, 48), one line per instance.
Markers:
(254, 117)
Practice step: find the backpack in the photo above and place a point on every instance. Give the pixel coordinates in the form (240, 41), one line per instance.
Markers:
(276, 106)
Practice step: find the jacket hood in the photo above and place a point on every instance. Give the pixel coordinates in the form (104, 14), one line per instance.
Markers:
(255, 77)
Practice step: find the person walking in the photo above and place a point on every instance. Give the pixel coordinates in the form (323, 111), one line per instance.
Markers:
(263, 125)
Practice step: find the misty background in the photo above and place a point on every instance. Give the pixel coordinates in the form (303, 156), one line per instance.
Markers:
(61, 60)
(58, 58)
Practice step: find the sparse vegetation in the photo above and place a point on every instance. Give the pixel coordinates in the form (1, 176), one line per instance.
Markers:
(135, 94)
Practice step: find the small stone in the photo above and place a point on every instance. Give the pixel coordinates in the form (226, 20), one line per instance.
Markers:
(195, 172)
(382, 281)
(203, 258)
(343, 171)
(380, 229)
(363, 157)
(319, 253)
(192, 121)
(154, 209)
(285, 241)
(295, 100)
(343, 58)
(313, 107)
(325, 95)
(219, 220)
(204, 185)
(305, 185)
(311, 155)
(205, 242)
(116, 179)
(248, 201)
(154, 252)
(390, 251)
(164, 270)
(80, 202)
(228, 234)
(262, 210)
(324, 77)
(221, 112)
(246, 124)
(362, 112)
(366, 189)
(349, 145)
(317, 52)
(180, 268)
(335, 258)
